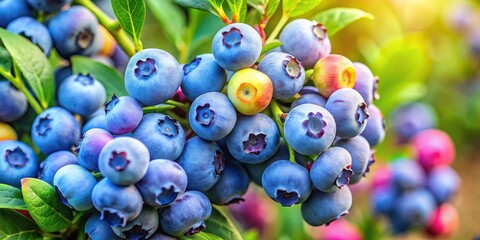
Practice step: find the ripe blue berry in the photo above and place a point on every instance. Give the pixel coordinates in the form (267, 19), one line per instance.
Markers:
(365, 83)
(90, 147)
(359, 150)
(443, 182)
(412, 118)
(13, 9)
(324, 208)
(331, 170)
(81, 94)
(236, 46)
(231, 186)
(164, 182)
(74, 184)
(374, 132)
(142, 227)
(286, 183)
(313, 98)
(48, 5)
(382, 200)
(17, 161)
(95, 122)
(36, 32)
(98, 229)
(415, 207)
(53, 162)
(152, 76)
(14, 103)
(407, 174)
(123, 114)
(255, 171)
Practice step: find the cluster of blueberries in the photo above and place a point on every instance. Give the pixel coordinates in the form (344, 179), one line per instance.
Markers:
(416, 193)
(155, 175)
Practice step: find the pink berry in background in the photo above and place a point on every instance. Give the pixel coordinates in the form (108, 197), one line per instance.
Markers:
(444, 221)
(340, 229)
(382, 177)
(433, 148)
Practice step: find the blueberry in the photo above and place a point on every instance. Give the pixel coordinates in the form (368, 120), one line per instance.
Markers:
(412, 118)
(236, 46)
(81, 94)
(55, 129)
(75, 32)
(53, 162)
(415, 207)
(164, 182)
(374, 132)
(285, 71)
(36, 32)
(359, 150)
(124, 160)
(13, 9)
(17, 161)
(306, 40)
(202, 75)
(316, 99)
(230, 187)
(48, 5)
(123, 114)
(98, 229)
(383, 199)
(14, 103)
(95, 122)
(324, 208)
(117, 204)
(255, 171)
(407, 174)
(212, 116)
(90, 147)
(349, 111)
(309, 129)
(443, 182)
(74, 184)
(186, 215)
(254, 139)
(142, 227)
(286, 183)
(365, 83)
(162, 135)
(203, 161)
(332, 169)
(62, 73)
(152, 76)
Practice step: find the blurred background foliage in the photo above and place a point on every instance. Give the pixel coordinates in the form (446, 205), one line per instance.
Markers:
(422, 50)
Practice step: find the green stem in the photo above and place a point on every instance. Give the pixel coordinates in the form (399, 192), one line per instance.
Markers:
(18, 83)
(308, 75)
(184, 106)
(161, 108)
(78, 217)
(281, 23)
(113, 26)
(277, 115)
(51, 235)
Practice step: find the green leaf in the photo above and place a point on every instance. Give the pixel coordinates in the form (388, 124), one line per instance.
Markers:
(108, 76)
(294, 8)
(165, 12)
(131, 15)
(11, 197)
(203, 236)
(221, 225)
(239, 9)
(270, 46)
(335, 19)
(45, 206)
(5, 59)
(33, 65)
(266, 7)
(204, 5)
(15, 226)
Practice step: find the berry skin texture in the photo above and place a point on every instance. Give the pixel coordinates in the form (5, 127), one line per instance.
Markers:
(443, 182)
(81, 94)
(55, 129)
(306, 40)
(255, 171)
(203, 161)
(97, 229)
(36, 32)
(349, 111)
(231, 186)
(11, 10)
(17, 161)
(286, 183)
(333, 72)
(236, 46)
(95, 122)
(123, 114)
(250, 91)
(374, 131)
(117, 204)
(433, 148)
(75, 32)
(312, 98)
(412, 118)
(74, 184)
(202, 75)
(124, 160)
(309, 129)
(141, 227)
(152, 76)
(48, 5)
(286, 73)
(365, 83)
(212, 116)
(7, 132)
(331, 170)
(90, 147)
(53, 163)
(186, 215)
(163, 183)
(162, 135)
(254, 139)
(324, 208)
(359, 150)
(14, 103)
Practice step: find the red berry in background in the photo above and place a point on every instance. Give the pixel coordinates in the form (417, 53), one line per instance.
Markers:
(445, 221)
(340, 230)
(433, 148)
